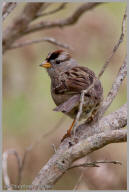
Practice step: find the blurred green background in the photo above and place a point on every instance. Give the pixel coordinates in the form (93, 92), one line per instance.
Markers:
(27, 103)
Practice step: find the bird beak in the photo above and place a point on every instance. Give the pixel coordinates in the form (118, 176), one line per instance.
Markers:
(45, 64)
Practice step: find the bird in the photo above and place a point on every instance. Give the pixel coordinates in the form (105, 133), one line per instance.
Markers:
(68, 80)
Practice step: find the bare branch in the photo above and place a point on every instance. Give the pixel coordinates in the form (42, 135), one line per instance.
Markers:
(85, 130)
(65, 155)
(69, 150)
(43, 8)
(95, 164)
(64, 22)
(7, 9)
(115, 87)
(61, 6)
(79, 112)
(98, 141)
(116, 46)
(90, 164)
(48, 39)
(119, 115)
(20, 24)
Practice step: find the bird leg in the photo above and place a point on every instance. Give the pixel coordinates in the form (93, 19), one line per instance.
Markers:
(68, 134)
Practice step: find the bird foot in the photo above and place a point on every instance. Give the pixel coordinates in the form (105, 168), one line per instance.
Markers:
(68, 134)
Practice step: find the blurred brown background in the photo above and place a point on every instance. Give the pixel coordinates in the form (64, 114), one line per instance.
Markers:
(27, 103)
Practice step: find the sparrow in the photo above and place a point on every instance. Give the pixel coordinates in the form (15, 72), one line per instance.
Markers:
(68, 80)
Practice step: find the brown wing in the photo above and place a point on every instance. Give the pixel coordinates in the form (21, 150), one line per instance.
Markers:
(75, 80)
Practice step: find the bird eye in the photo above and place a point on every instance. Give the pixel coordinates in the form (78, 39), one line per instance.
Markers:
(57, 62)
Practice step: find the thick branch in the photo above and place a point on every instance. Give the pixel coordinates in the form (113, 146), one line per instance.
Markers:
(69, 152)
(105, 124)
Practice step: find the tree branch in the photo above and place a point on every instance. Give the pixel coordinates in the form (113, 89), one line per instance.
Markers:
(85, 130)
(43, 8)
(21, 25)
(16, 29)
(115, 87)
(48, 39)
(64, 22)
(94, 164)
(69, 151)
(120, 40)
(7, 9)
(61, 6)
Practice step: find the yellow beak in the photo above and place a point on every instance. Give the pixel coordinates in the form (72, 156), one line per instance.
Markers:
(45, 64)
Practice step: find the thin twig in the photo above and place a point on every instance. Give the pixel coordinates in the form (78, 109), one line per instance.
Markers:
(90, 164)
(94, 164)
(48, 39)
(7, 9)
(122, 73)
(120, 40)
(79, 112)
(61, 6)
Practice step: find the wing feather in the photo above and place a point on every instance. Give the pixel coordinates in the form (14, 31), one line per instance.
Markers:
(75, 80)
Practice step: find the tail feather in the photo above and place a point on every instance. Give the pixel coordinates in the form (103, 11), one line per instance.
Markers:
(68, 105)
